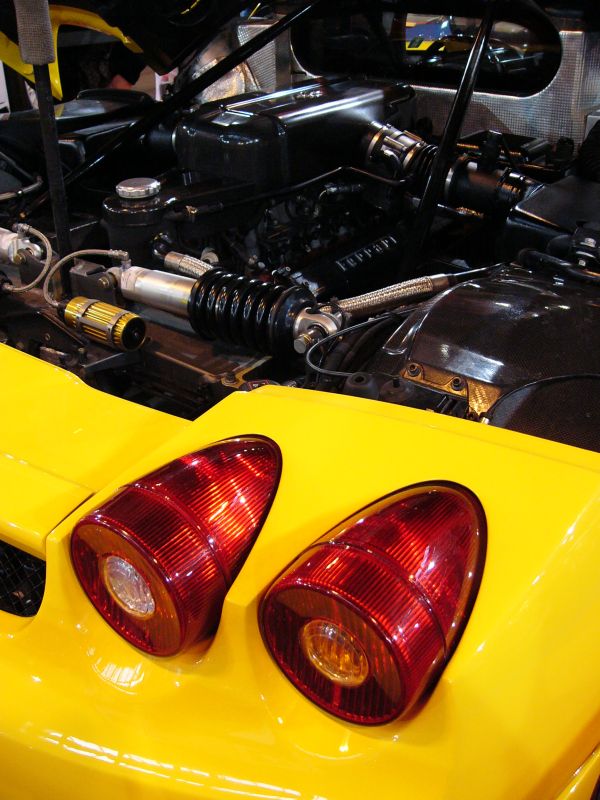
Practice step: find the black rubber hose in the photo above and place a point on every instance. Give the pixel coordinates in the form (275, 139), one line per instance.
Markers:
(534, 259)
(445, 154)
(160, 111)
(588, 165)
(358, 345)
(560, 246)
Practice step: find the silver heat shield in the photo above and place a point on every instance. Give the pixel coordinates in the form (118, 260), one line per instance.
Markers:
(559, 110)
(271, 65)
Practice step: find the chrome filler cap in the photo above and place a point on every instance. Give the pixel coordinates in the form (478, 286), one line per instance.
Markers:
(138, 188)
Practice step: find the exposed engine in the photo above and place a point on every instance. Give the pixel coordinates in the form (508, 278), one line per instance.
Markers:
(284, 238)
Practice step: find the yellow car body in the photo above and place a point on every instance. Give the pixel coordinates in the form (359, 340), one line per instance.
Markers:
(61, 15)
(516, 713)
(84, 18)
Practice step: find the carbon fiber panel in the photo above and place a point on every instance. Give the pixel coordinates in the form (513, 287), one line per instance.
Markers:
(559, 110)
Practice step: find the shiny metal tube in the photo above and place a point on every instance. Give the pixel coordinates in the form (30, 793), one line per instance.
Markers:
(187, 265)
(157, 289)
(391, 296)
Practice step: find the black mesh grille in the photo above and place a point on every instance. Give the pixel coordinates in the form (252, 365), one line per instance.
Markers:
(22, 581)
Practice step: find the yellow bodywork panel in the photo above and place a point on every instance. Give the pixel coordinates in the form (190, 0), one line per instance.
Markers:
(584, 781)
(515, 714)
(60, 442)
(32, 501)
(61, 15)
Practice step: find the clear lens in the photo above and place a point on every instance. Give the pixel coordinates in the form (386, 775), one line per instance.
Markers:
(334, 652)
(158, 557)
(127, 587)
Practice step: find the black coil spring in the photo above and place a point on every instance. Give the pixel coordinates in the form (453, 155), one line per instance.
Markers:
(243, 311)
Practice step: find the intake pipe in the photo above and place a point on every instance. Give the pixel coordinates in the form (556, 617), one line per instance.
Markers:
(405, 155)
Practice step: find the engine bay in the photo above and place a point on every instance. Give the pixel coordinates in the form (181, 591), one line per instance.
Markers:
(303, 237)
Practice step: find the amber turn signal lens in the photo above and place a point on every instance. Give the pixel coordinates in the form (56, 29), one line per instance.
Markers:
(334, 652)
(364, 621)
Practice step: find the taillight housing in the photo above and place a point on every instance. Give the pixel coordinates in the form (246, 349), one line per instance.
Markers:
(158, 558)
(364, 621)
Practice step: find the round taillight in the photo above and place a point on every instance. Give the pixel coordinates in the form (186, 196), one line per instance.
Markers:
(158, 558)
(364, 621)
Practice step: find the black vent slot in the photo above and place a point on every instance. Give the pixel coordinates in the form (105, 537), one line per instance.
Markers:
(22, 581)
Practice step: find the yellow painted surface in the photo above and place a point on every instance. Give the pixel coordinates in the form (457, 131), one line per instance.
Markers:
(515, 714)
(32, 502)
(60, 442)
(61, 15)
(584, 781)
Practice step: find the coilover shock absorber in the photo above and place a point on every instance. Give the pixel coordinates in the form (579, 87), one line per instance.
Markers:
(232, 308)
(247, 312)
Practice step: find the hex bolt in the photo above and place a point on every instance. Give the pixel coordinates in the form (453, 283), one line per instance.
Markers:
(413, 369)
(457, 384)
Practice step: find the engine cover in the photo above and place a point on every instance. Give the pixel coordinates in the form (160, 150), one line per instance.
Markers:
(289, 136)
(484, 339)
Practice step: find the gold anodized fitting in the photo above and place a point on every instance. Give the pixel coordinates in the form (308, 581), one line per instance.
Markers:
(105, 323)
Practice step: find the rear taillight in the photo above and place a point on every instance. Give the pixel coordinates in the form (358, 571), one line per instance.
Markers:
(364, 621)
(158, 558)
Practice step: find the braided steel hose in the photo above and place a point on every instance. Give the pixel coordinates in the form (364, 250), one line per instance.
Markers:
(187, 265)
(391, 296)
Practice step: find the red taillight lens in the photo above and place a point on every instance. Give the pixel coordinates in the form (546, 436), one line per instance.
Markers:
(365, 620)
(158, 558)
